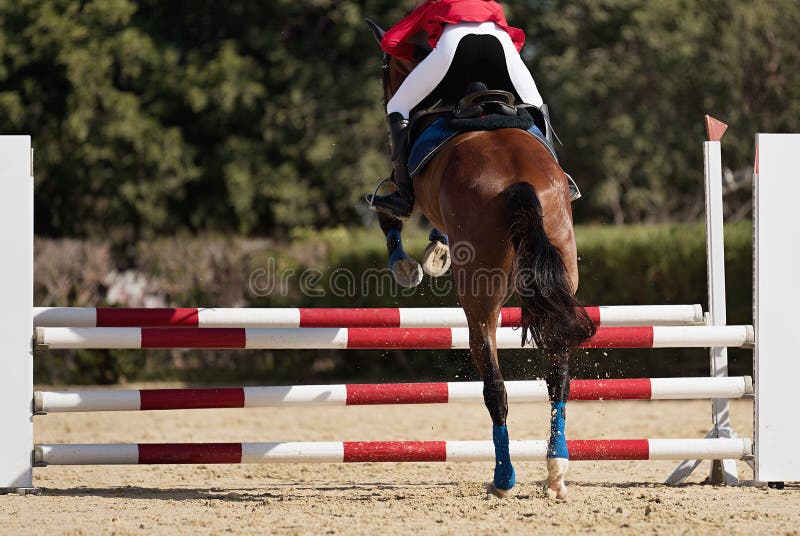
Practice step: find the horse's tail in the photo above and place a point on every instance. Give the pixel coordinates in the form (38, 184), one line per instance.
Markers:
(554, 318)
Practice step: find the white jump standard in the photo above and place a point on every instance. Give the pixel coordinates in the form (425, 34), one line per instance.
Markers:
(16, 317)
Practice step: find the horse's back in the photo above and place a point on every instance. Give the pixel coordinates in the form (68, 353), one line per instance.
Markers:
(464, 192)
(468, 178)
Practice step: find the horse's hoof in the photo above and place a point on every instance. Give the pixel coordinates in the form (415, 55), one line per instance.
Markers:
(556, 469)
(491, 489)
(436, 259)
(407, 272)
(556, 491)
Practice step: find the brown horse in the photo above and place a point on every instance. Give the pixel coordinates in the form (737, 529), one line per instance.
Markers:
(503, 196)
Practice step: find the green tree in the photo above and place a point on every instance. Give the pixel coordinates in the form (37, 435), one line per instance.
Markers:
(154, 117)
(150, 116)
(631, 81)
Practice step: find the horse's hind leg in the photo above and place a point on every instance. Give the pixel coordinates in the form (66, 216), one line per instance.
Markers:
(436, 259)
(557, 453)
(406, 271)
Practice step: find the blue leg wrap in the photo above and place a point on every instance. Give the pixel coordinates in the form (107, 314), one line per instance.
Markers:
(436, 234)
(504, 477)
(397, 252)
(557, 448)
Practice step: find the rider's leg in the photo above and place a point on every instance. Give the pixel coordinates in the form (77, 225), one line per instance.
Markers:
(526, 89)
(427, 75)
(399, 203)
(517, 71)
(420, 82)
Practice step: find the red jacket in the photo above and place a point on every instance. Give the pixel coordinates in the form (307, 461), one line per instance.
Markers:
(433, 14)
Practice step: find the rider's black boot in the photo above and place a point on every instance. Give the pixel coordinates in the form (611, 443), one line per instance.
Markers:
(400, 202)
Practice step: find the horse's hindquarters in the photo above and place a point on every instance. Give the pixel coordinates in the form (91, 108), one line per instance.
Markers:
(503, 202)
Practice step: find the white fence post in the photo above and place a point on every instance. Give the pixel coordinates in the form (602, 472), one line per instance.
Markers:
(722, 471)
(16, 316)
(777, 292)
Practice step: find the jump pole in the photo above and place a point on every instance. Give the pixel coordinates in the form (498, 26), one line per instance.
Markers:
(380, 394)
(381, 451)
(374, 338)
(291, 317)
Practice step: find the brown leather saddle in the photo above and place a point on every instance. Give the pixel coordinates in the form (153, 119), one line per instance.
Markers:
(485, 102)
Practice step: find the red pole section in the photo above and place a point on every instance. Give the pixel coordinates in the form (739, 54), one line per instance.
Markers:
(194, 338)
(335, 318)
(405, 338)
(112, 317)
(627, 337)
(626, 389)
(180, 453)
(397, 393)
(395, 451)
(609, 449)
(161, 399)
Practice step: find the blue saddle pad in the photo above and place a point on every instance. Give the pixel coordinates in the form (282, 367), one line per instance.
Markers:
(433, 138)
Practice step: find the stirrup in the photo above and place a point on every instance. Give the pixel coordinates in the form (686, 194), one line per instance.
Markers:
(394, 212)
(398, 204)
(574, 192)
(371, 197)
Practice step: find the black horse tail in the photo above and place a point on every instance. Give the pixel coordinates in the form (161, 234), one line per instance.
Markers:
(551, 314)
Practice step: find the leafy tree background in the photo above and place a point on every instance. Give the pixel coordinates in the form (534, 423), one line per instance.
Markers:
(234, 133)
(254, 118)
(632, 80)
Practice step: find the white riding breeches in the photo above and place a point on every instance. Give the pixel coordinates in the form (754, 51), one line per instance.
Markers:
(426, 76)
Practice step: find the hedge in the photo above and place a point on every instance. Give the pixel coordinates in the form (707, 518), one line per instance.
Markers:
(618, 265)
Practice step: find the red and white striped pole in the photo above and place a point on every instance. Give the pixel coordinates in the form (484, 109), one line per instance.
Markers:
(419, 317)
(374, 338)
(374, 394)
(382, 451)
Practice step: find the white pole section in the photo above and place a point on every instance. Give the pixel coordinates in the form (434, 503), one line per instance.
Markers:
(777, 192)
(16, 318)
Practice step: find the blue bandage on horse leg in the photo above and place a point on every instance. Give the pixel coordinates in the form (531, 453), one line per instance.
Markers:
(394, 243)
(504, 477)
(436, 234)
(557, 448)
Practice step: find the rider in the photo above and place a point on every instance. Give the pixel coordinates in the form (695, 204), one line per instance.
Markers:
(446, 23)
